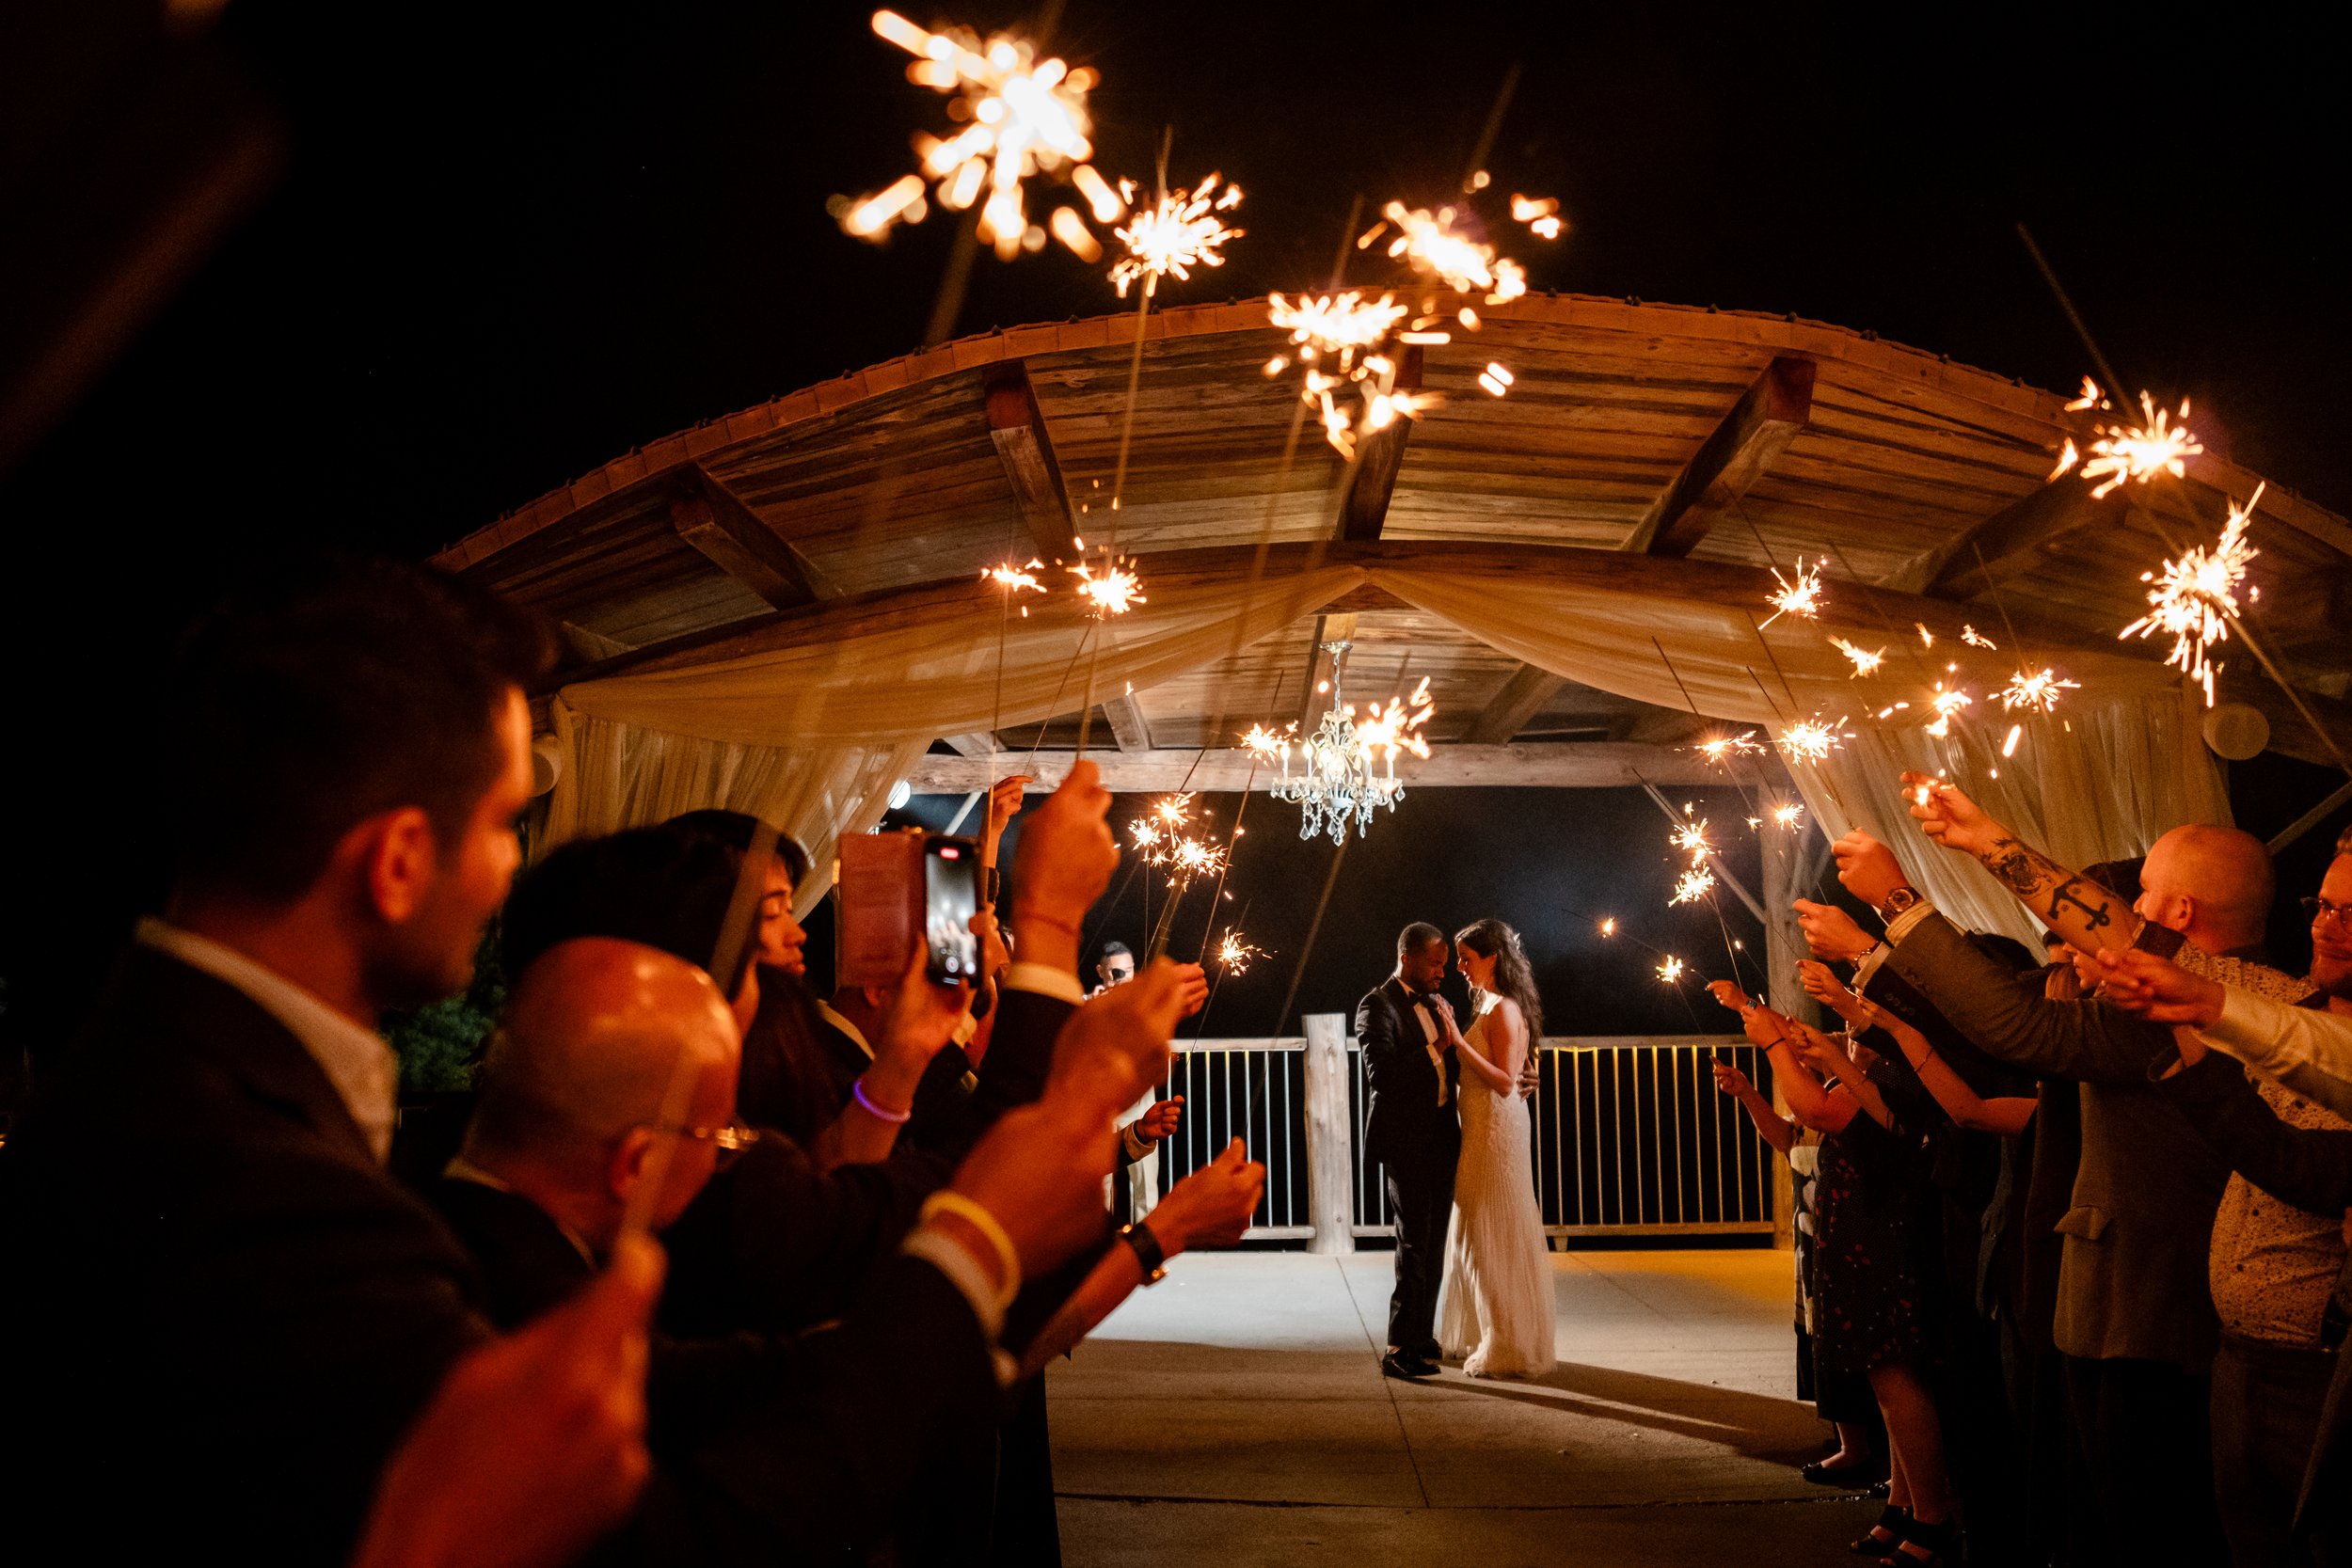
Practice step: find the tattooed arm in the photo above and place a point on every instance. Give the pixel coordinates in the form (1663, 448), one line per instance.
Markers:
(2078, 908)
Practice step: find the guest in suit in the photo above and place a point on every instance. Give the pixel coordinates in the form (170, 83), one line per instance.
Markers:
(1411, 1128)
(610, 1091)
(197, 1225)
(2134, 1320)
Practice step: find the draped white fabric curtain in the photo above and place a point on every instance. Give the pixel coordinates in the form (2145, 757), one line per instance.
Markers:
(809, 722)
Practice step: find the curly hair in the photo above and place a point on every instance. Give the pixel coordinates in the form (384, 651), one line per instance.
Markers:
(1492, 938)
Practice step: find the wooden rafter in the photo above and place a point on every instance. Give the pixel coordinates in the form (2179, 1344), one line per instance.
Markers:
(1370, 481)
(712, 518)
(1017, 425)
(971, 745)
(2009, 542)
(1599, 765)
(1520, 698)
(1758, 430)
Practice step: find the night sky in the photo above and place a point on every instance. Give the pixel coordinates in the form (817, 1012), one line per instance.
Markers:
(514, 242)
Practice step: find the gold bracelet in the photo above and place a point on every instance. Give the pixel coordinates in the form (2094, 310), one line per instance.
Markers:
(949, 1201)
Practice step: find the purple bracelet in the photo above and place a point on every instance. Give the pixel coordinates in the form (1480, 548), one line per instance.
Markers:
(857, 1092)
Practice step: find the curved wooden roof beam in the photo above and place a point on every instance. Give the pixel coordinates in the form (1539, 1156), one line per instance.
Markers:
(1777, 406)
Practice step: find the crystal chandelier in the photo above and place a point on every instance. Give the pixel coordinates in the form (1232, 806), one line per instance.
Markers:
(1347, 769)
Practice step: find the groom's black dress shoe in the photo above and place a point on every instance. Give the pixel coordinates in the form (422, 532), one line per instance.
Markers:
(1398, 1364)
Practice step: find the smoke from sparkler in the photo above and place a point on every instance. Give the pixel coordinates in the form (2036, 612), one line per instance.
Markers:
(1021, 116)
(1866, 660)
(2197, 597)
(1180, 232)
(1801, 597)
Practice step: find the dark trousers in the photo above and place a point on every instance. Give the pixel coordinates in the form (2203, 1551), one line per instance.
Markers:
(1027, 1532)
(2055, 1493)
(2266, 1412)
(2149, 1455)
(1420, 1199)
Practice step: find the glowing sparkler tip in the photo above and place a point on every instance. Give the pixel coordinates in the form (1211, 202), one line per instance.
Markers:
(1812, 739)
(2196, 598)
(1866, 660)
(2160, 443)
(1609, 926)
(1801, 597)
(1671, 971)
(2036, 690)
(1180, 233)
(1114, 590)
(1693, 886)
(1976, 639)
(1788, 816)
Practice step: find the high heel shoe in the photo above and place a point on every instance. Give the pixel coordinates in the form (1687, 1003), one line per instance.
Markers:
(1936, 1538)
(1892, 1529)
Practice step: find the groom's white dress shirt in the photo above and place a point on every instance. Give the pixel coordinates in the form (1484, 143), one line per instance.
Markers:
(1424, 1008)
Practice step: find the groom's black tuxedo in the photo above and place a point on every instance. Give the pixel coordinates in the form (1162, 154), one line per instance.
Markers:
(1410, 1127)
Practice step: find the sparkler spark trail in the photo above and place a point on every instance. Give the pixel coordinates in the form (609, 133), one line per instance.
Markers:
(1016, 580)
(1429, 244)
(1235, 954)
(1385, 732)
(1695, 886)
(1720, 749)
(1801, 597)
(1926, 637)
(1541, 214)
(1947, 703)
(2008, 746)
(1114, 591)
(2160, 443)
(1813, 740)
(1866, 660)
(1976, 639)
(1671, 971)
(2037, 691)
(1180, 232)
(1021, 116)
(1339, 339)
(2196, 599)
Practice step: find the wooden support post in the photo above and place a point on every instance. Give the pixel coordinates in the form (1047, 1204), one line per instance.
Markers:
(1330, 1138)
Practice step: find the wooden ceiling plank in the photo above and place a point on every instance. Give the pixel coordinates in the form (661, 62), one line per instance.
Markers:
(1017, 424)
(981, 745)
(714, 520)
(1369, 483)
(2007, 542)
(1521, 697)
(1589, 765)
(1758, 430)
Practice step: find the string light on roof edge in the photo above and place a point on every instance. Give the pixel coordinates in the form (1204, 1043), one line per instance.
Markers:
(2196, 599)
(1021, 116)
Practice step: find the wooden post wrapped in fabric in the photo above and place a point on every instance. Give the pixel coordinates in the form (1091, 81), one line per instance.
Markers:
(1331, 1137)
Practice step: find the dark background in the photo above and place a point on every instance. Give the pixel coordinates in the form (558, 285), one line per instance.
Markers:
(512, 241)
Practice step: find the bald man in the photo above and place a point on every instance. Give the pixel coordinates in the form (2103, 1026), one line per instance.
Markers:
(609, 1099)
(2137, 1313)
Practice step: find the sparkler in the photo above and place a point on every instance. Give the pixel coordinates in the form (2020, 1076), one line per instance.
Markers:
(1976, 639)
(1720, 749)
(2037, 691)
(1813, 740)
(1693, 886)
(1671, 971)
(1926, 637)
(2160, 443)
(1182, 232)
(1235, 954)
(2196, 599)
(1336, 337)
(1385, 732)
(1016, 580)
(1115, 591)
(1021, 116)
(1866, 660)
(1691, 838)
(1801, 597)
(1609, 926)
(1430, 244)
(1947, 703)
(1786, 815)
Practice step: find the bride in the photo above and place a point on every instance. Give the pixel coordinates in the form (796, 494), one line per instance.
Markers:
(1496, 1305)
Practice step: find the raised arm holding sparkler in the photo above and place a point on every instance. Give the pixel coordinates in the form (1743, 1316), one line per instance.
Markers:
(2085, 914)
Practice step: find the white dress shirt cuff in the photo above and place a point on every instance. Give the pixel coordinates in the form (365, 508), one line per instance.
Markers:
(1907, 922)
(1134, 1144)
(1045, 980)
(2257, 1031)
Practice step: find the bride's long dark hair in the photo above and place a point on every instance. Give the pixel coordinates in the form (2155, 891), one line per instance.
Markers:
(1492, 938)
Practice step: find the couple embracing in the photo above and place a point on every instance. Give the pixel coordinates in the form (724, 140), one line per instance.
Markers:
(1448, 1119)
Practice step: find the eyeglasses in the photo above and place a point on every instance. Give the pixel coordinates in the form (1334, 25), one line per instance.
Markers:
(727, 1142)
(2323, 912)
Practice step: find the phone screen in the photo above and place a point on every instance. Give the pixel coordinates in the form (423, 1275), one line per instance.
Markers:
(951, 897)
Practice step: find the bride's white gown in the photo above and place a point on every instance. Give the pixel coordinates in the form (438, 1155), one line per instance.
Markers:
(1496, 1307)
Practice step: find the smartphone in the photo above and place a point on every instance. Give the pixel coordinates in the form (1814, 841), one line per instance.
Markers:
(900, 888)
(951, 897)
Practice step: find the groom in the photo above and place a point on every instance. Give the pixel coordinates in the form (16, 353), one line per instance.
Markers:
(1411, 1128)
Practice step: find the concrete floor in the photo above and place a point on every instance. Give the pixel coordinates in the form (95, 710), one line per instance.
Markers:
(1235, 1415)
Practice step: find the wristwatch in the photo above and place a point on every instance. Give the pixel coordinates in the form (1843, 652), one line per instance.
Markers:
(1901, 901)
(1147, 1250)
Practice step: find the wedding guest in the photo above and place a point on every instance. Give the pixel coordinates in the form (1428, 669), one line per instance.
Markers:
(197, 1221)
(2133, 1317)
(609, 1092)
(1113, 966)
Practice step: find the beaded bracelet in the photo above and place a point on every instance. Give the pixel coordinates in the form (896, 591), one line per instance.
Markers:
(857, 1092)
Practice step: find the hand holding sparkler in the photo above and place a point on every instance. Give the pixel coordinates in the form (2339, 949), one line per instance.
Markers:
(1212, 1206)
(1831, 933)
(1115, 1046)
(1004, 804)
(1949, 817)
(1868, 868)
(1158, 1122)
(1730, 996)
(1824, 986)
(1066, 860)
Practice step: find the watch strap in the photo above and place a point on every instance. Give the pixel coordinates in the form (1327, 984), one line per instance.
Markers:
(1147, 1249)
